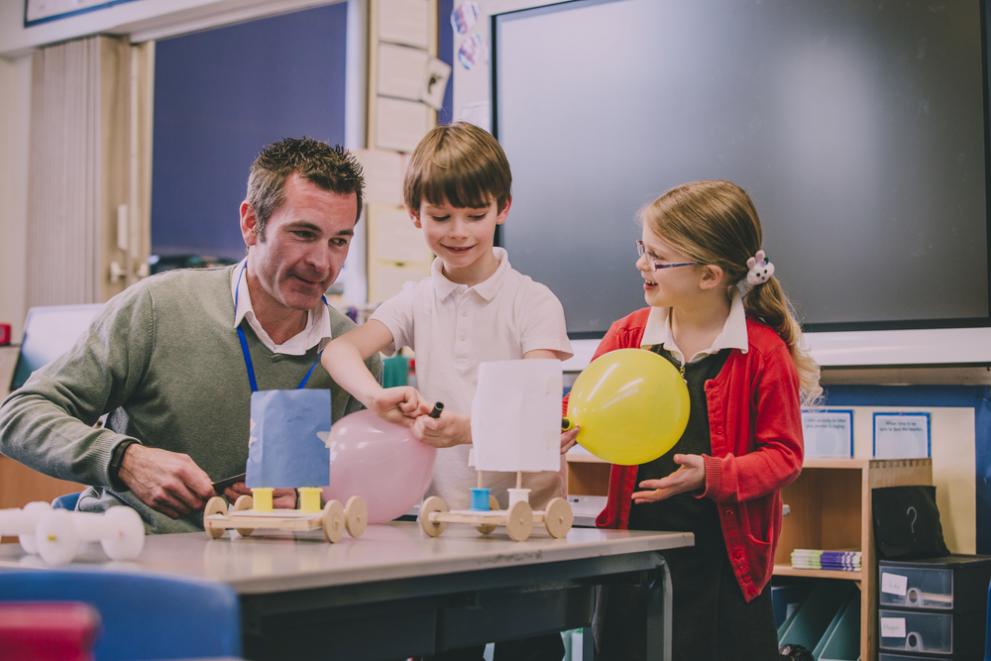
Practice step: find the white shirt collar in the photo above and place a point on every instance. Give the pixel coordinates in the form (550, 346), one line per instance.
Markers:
(487, 288)
(316, 333)
(732, 336)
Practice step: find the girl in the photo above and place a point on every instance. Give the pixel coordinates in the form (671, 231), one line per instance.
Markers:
(720, 316)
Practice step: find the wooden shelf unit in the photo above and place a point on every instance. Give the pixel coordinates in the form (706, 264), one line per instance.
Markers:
(587, 476)
(829, 508)
(788, 570)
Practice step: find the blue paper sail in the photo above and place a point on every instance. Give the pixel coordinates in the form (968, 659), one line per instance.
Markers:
(287, 446)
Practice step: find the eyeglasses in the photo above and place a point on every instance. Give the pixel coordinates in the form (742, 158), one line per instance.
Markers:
(652, 258)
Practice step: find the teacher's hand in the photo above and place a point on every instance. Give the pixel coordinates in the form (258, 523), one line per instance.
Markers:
(169, 482)
(282, 499)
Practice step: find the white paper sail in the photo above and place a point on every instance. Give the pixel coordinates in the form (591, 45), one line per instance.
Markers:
(516, 416)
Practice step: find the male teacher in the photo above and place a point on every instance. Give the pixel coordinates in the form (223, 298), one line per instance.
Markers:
(173, 359)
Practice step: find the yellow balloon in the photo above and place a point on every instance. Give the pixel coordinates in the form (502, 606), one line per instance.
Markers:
(631, 405)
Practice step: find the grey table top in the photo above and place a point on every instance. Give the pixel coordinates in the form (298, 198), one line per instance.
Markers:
(277, 561)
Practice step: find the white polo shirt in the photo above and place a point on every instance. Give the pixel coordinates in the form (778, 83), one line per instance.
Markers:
(452, 328)
(733, 336)
(316, 332)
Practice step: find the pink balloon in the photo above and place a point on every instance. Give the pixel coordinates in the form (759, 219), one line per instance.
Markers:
(379, 461)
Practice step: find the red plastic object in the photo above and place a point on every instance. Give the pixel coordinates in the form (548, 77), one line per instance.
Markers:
(47, 631)
(4, 334)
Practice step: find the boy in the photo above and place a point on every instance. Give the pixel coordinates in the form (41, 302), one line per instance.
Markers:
(474, 307)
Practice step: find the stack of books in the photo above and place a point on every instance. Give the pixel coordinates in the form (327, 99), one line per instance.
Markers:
(819, 559)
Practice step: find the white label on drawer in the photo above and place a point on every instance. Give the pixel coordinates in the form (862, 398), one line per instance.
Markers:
(894, 584)
(892, 627)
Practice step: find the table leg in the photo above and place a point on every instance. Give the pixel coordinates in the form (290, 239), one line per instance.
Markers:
(659, 614)
(588, 644)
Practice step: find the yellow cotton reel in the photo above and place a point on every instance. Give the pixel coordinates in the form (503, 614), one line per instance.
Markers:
(631, 406)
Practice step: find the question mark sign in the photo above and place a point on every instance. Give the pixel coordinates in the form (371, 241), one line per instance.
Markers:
(911, 511)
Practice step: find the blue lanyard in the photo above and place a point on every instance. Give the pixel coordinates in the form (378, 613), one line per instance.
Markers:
(248, 365)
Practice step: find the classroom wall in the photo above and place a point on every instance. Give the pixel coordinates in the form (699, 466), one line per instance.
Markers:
(220, 95)
(15, 37)
(15, 90)
(953, 450)
(961, 449)
(445, 51)
(142, 18)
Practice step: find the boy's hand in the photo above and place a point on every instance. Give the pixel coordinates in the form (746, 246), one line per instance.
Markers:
(690, 476)
(448, 430)
(569, 439)
(400, 405)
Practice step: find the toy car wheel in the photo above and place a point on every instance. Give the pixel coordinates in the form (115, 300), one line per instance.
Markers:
(56, 537)
(127, 534)
(520, 523)
(332, 521)
(487, 528)
(558, 517)
(356, 516)
(27, 539)
(244, 502)
(216, 505)
(434, 504)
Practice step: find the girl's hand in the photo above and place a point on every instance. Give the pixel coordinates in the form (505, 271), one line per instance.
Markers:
(448, 430)
(400, 405)
(690, 476)
(569, 439)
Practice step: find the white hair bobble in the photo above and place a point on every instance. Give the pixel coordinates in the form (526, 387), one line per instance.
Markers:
(759, 270)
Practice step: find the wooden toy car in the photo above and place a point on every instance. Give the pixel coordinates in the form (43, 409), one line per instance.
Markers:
(519, 519)
(525, 442)
(333, 519)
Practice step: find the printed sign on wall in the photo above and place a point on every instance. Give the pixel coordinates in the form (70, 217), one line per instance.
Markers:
(902, 436)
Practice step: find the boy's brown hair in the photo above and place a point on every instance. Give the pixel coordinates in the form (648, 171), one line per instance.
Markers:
(460, 164)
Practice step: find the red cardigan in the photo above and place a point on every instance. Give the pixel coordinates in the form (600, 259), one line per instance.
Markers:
(755, 429)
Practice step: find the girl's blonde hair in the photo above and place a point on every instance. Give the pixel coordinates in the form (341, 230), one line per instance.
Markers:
(715, 222)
